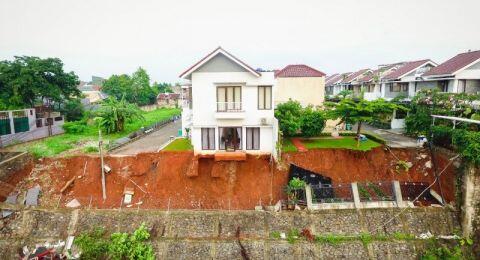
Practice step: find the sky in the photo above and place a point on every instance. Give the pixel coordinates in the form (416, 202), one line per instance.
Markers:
(105, 37)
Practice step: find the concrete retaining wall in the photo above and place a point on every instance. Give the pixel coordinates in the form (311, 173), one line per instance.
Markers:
(211, 234)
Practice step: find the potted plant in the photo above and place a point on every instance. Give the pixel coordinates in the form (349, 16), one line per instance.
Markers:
(293, 188)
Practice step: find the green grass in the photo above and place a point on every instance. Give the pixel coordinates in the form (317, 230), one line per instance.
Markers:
(57, 144)
(287, 145)
(346, 142)
(180, 144)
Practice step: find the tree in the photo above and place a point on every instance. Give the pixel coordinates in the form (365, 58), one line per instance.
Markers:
(113, 114)
(119, 86)
(143, 93)
(162, 87)
(312, 121)
(72, 110)
(351, 111)
(27, 80)
(288, 115)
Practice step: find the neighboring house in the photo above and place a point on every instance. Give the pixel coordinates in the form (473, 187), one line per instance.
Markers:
(404, 80)
(301, 83)
(230, 106)
(460, 74)
(169, 100)
(92, 91)
(17, 126)
(352, 82)
(334, 84)
(371, 82)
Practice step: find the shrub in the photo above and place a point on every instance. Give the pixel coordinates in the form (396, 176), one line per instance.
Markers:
(76, 127)
(288, 115)
(442, 136)
(312, 122)
(73, 110)
(468, 145)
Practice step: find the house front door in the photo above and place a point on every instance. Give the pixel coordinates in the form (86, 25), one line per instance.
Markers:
(230, 138)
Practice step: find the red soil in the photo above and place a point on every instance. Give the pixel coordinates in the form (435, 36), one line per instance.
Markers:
(299, 145)
(219, 185)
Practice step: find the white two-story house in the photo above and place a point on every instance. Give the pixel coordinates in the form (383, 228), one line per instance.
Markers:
(229, 106)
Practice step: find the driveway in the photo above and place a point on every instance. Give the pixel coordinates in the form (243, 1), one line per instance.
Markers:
(151, 142)
(394, 138)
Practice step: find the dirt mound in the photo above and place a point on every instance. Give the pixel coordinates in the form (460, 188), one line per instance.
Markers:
(161, 180)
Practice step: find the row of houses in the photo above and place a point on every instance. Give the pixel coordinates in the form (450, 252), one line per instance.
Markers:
(460, 74)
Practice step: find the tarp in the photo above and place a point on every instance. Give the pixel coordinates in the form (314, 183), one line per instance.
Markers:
(308, 176)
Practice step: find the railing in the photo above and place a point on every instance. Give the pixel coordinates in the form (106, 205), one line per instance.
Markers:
(329, 193)
(229, 106)
(376, 191)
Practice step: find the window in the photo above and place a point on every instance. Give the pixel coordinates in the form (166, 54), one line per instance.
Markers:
(253, 138)
(462, 85)
(208, 138)
(264, 97)
(398, 87)
(229, 98)
(443, 86)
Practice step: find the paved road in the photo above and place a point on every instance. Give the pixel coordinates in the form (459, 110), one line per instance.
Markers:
(151, 142)
(394, 138)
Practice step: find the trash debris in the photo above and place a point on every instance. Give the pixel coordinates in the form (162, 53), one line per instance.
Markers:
(73, 204)
(69, 243)
(426, 235)
(107, 169)
(283, 235)
(32, 196)
(128, 195)
(278, 206)
(258, 208)
(428, 164)
(11, 199)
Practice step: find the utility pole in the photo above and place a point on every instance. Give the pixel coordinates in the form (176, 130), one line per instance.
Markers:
(100, 144)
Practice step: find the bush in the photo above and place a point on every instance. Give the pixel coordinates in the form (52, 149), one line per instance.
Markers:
(418, 121)
(442, 136)
(468, 145)
(73, 110)
(288, 115)
(312, 122)
(76, 127)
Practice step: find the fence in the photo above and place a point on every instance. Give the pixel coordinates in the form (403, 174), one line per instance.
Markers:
(383, 194)
(115, 144)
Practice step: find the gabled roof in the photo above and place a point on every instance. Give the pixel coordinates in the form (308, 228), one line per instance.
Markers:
(338, 78)
(454, 64)
(211, 55)
(368, 77)
(329, 77)
(407, 68)
(298, 70)
(354, 76)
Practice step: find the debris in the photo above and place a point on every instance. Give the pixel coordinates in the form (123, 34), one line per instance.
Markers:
(69, 243)
(69, 182)
(297, 207)
(73, 204)
(428, 164)
(283, 235)
(278, 206)
(107, 168)
(32, 196)
(128, 195)
(258, 208)
(138, 186)
(426, 235)
(12, 199)
(139, 203)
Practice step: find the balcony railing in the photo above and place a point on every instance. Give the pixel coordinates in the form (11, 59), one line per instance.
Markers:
(229, 106)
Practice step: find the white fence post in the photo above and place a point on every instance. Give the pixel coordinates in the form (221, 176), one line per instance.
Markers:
(356, 195)
(308, 196)
(397, 191)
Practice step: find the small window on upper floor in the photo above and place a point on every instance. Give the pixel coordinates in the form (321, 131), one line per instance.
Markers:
(264, 97)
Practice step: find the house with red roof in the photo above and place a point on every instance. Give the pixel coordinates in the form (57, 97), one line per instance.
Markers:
(460, 74)
(403, 80)
(301, 83)
(333, 84)
(230, 106)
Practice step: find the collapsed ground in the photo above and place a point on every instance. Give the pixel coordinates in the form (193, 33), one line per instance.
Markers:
(162, 180)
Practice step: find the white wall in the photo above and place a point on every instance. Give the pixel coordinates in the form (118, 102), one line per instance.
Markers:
(204, 109)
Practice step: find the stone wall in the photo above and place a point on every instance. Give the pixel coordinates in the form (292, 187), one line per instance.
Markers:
(212, 234)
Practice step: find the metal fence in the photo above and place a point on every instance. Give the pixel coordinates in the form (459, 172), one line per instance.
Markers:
(376, 191)
(332, 193)
(412, 190)
(117, 143)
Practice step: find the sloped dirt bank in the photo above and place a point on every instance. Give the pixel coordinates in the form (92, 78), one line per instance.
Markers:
(160, 180)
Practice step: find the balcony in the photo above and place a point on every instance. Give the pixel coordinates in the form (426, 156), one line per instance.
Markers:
(229, 110)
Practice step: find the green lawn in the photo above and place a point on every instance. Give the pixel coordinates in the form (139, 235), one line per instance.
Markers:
(180, 144)
(287, 145)
(346, 142)
(57, 144)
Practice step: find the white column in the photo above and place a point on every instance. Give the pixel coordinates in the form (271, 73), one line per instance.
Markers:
(12, 125)
(398, 194)
(356, 195)
(308, 196)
